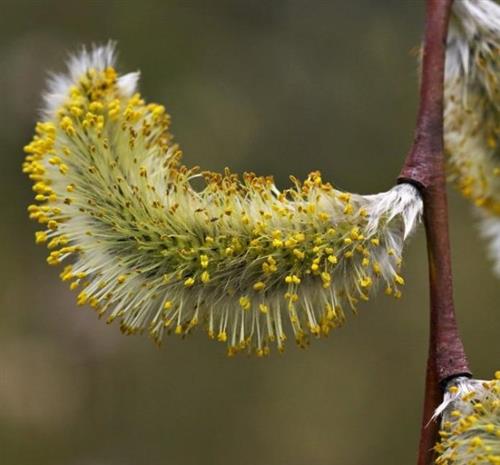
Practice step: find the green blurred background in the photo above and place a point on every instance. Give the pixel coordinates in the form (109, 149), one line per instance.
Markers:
(278, 87)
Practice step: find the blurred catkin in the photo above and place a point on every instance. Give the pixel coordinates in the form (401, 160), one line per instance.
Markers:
(472, 110)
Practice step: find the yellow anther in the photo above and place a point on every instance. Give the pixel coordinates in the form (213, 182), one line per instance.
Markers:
(255, 243)
(490, 428)
(39, 188)
(66, 274)
(476, 442)
(189, 282)
(299, 254)
(299, 237)
(75, 111)
(330, 312)
(114, 112)
(277, 243)
(205, 277)
(326, 278)
(67, 126)
(82, 298)
(55, 161)
(40, 237)
(365, 282)
(245, 303)
(348, 209)
(259, 286)
(96, 107)
(204, 261)
(399, 279)
(264, 308)
(121, 279)
(332, 259)
(292, 279)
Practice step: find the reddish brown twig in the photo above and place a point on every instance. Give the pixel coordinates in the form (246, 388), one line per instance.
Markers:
(424, 167)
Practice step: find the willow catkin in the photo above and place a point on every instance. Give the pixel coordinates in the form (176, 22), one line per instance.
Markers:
(470, 425)
(472, 110)
(141, 245)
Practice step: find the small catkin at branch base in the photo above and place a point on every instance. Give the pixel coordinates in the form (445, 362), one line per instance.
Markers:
(250, 262)
(470, 425)
(472, 109)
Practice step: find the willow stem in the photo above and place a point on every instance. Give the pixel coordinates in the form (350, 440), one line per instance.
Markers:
(424, 167)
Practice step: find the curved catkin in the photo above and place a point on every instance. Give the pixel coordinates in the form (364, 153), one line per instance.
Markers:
(249, 262)
(470, 425)
(472, 110)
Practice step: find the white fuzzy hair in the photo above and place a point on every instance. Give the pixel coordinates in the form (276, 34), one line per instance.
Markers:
(98, 58)
(403, 200)
(463, 387)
